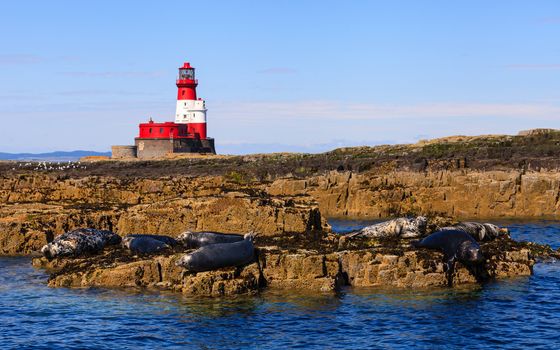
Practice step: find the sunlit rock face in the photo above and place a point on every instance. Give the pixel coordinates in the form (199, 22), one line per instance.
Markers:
(36, 208)
(284, 263)
(276, 194)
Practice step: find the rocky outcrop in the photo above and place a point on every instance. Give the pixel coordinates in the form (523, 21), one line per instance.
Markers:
(159, 272)
(289, 266)
(459, 193)
(36, 208)
(301, 270)
(415, 270)
(165, 206)
(475, 177)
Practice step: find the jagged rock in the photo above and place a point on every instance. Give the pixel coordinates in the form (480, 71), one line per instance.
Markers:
(304, 270)
(223, 282)
(38, 207)
(159, 272)
(325, 269)
(277, 194)
(464, 193)
(25, 228)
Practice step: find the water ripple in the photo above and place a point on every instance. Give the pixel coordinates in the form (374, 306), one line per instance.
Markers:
(514, 313)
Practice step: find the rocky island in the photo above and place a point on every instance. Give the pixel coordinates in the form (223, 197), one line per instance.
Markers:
(285, 199)
(304, 262)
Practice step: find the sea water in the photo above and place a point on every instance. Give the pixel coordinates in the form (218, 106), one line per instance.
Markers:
(521, 312)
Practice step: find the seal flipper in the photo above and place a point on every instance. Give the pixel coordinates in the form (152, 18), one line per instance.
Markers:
(449, 267)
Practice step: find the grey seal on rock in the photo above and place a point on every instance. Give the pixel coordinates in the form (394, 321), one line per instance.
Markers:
(78, 242)
(480, 232)
(148, 244)
(400, 227)
(219, 255)
(200, 239)
(455, 245)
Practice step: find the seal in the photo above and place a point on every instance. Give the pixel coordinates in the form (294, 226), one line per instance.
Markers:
(455, 245)
(400, 227)
(193, 240)
(480, 232)
(79, 242)
(148, 244)
(219, 255)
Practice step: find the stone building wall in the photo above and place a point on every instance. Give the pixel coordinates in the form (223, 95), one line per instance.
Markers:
(159, 148)
(153, 148)
(123, 152)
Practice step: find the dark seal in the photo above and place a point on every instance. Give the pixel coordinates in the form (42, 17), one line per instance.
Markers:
(193, 240)
(479, 231)
(455, 245)
(79, 242)
(219, 255)
(148, 244)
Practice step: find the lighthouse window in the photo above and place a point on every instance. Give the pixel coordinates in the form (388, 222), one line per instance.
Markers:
(150, 130)
(186, 73)
(161, 130)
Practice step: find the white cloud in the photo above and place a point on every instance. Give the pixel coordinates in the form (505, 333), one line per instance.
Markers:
(226, 147)
(549, 20)
(10, 59)
(335, 110)
(278, 70)
(23, 59)
(123, 74)
(247, 127)
(534, 66)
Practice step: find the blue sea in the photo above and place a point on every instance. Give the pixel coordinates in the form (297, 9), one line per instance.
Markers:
(514, 313)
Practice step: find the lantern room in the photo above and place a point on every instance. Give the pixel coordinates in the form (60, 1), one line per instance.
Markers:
(186, 83)
(186, 72)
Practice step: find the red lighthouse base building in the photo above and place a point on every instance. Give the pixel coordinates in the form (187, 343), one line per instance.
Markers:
(157, 140)
(187, 134)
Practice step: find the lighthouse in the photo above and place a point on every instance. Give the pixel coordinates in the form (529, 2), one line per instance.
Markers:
(187, 134)
(190, 109)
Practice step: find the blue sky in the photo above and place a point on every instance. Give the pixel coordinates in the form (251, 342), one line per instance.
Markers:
(277, 76)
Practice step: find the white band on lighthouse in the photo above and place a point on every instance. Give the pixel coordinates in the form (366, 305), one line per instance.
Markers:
(190, 111)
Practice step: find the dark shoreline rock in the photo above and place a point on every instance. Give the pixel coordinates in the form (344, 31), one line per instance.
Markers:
(293, 264)
(534, 150)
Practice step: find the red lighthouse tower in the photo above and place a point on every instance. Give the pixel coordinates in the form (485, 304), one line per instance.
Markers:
(190, 109)
(187, 134)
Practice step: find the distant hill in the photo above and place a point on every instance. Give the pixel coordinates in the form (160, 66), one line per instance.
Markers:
(58, 156)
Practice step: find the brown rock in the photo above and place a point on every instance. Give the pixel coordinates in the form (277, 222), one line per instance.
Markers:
(390, 265)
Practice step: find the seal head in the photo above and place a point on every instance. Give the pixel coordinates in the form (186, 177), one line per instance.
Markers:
(469, 253)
